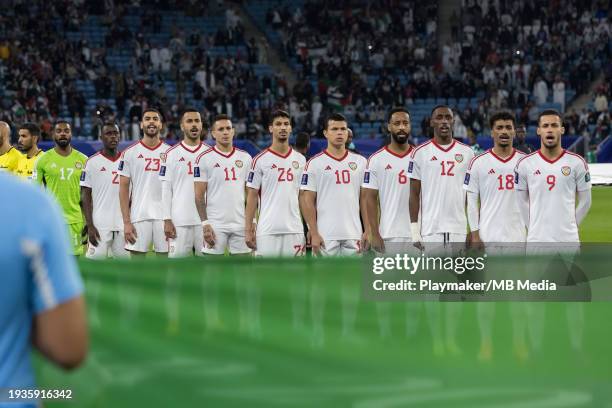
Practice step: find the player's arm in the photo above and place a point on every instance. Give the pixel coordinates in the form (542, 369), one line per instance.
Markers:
(584, 204)
(124, 202)
(87, 202)
(38, 175)
(473, 216)
(200, 188)
(250, 211)
(169, 229)
(370, 200)
(59, 328)
(365, 241)
(308, 200)
(414, 207)
(522, 200)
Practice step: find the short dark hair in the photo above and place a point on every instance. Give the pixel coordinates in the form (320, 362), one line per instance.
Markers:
(33, 129)
(501, 115)
(60, 121)
(221, 116)
(547, 112)
(189, 110)
(396, 110)
(301, 140)
(336, 117)
(279, 113)
(161, 117)
(441, 106)
(111, 123)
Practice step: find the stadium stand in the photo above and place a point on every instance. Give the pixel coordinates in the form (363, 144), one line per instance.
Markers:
(82, 60)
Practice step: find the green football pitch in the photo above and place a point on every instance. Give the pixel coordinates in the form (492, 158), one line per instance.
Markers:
(285, 333)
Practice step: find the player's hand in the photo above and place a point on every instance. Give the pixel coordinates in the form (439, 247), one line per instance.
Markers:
(364, 243)
(474, 241)
(250, 237)
(316, 242)
(169, 229)
(93, 235)
(209, 235)
(417, 240)
(129, 233)
(377, 243)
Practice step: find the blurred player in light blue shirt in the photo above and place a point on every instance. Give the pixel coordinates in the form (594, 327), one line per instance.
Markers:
(41, 302)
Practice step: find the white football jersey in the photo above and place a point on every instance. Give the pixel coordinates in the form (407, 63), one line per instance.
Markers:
(387, 172)
(101, 174)
(337, 183)
(226, 175)
(552, 187)
(278, 180)
(441, 170)
(142, 164)
(178, 170)
(492, 178)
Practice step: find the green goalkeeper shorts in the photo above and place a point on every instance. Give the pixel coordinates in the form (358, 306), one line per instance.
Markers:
(75, 230)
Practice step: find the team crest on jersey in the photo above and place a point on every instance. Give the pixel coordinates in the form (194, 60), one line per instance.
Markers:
(78, 165)
(566, 170)
(163, 156)
(239, 164)
(353, 165)
(458, 157)
(295, 164)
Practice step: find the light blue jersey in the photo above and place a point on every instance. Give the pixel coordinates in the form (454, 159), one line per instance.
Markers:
(36, 274)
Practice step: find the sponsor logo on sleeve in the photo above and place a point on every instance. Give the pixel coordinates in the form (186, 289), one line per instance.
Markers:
(516, 177)
(467, 179)
(304, 179)
(366, 177)
(162, 171)
(250, 178)
(83, 176)
(196, 171)
(121, 165)
(410, 166)
(587, 177)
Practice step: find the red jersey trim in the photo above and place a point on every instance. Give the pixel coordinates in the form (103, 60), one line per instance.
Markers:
(507, 159)
(401, 156)
(108, 158)
(94, 155)
(524, 157)
(227, 156)
(311, 159)
(197, 160)
(280, 155)
(336, 159)
(130, 146)
(450, 146)
(475, 158)
(372, 156)
(151, 148)
(586, 166)
(257, 158)
(190, 150)
(419, 148)
(551, 161)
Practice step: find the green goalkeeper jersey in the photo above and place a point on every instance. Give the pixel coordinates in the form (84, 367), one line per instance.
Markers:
(61, 174)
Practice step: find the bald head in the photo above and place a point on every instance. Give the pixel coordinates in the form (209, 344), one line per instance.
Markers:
(5, 131)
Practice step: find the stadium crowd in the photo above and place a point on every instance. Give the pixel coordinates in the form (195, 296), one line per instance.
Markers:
(355, 57)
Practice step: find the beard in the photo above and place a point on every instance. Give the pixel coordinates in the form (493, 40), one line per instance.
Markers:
(62, 142)
(400, 137)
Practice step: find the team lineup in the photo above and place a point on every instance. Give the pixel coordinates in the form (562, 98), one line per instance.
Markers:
(192, 198)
